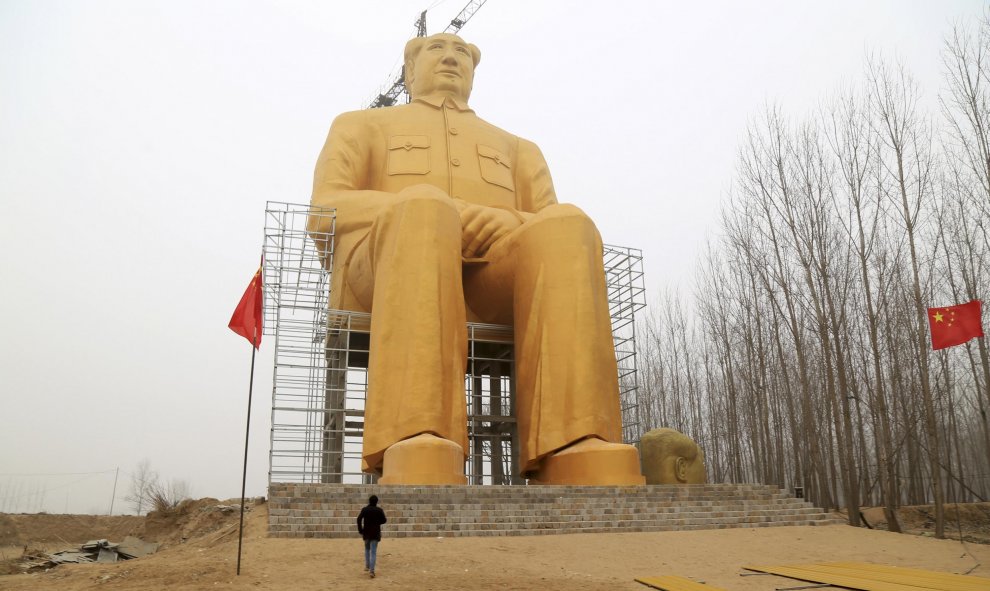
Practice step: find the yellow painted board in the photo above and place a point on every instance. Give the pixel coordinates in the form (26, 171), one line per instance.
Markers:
(675, 583)
(852, 582)
(922, 578)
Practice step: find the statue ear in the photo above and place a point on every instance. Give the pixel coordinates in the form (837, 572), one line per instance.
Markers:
(680, 469)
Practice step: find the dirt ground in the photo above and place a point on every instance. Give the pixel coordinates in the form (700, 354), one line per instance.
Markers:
(199, 551)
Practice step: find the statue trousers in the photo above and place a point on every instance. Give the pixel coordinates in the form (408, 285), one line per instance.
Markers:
(545, 278)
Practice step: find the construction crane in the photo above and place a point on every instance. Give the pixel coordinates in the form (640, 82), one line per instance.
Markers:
(397, 89)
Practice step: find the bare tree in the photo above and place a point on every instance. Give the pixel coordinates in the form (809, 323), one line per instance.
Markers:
(167, 496)
(906, 138)
(804, 359)
(966, 107)
(143, 481)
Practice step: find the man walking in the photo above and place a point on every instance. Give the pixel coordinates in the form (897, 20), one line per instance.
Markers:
(369, 523)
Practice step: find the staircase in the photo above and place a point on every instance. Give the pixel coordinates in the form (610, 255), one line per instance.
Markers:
(330, 510)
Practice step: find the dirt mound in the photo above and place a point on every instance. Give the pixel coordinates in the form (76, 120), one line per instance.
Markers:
(43, 529)
(29, 539)
(191, 519)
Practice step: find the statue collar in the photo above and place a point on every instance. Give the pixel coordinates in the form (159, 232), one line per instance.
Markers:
(438, 100)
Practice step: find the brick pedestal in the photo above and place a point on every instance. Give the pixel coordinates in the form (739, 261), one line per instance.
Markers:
(330, 510)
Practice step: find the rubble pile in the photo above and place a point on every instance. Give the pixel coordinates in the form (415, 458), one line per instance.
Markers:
(92, 551)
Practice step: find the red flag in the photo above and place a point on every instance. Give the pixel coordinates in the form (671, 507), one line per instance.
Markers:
(247, 320)
(954, 325)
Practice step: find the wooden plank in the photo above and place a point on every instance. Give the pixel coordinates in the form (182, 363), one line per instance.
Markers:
(915, 577)
(922, 578)
(675, 583)
(852, 582)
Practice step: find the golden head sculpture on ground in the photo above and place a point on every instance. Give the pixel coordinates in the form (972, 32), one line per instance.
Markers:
(670, 457)
(444, 218)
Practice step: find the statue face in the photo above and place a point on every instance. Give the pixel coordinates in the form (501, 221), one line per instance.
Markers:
(691, 471)
(444, 66)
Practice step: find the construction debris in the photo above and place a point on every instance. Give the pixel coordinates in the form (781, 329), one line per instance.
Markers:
(133, 547)
(102, 551)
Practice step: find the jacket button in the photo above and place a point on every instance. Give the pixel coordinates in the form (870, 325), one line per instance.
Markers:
(455, 161)
(453, 131)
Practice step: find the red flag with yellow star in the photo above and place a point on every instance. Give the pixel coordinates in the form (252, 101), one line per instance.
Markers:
(247, 320)
(954, 325)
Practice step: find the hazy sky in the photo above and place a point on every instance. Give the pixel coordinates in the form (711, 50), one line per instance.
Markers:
(140, 141)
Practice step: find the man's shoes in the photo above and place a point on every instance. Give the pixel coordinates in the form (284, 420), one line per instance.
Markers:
(372, 574)
(591, 462)
(423, 459)
(366, 569)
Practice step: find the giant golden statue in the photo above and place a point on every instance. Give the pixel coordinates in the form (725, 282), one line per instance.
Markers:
(443, 218)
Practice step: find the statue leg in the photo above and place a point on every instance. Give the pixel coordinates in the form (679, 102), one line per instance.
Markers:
(408, 272)
(550, 273)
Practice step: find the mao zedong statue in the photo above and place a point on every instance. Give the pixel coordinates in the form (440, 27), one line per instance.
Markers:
(443, 218)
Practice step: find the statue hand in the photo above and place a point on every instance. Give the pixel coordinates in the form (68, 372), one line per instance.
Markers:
(483, 226)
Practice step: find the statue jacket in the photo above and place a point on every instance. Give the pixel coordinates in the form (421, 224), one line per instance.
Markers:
(371, 155)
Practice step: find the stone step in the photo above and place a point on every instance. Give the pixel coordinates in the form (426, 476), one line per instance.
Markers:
(474, 491)
(632, 524)
(462, 515)
(657, 512)
(687, 490)
(326, 510)
(578, 521)
(671, 513)
(555, 528)
(397, 500)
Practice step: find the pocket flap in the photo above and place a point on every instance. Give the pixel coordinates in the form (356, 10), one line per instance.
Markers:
(408, 142)
(494, 155)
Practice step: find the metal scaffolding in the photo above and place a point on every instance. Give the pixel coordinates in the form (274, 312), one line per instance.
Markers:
(626, 296)
(321, 360)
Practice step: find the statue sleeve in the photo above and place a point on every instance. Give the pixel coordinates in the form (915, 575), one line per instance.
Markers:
(343, 162)
(342, 176)
(534, 187)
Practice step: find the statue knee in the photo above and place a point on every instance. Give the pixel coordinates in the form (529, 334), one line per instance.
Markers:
(568, 224)
(424, 193)
(424, 201)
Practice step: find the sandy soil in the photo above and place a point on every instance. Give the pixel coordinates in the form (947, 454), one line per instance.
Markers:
(200, 552)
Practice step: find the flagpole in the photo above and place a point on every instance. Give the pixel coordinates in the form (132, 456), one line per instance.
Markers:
(247, 434)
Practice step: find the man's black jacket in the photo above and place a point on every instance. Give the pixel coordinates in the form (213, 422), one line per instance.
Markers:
(370, 522)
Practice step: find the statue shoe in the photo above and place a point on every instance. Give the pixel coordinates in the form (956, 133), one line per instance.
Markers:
(591, 462)
(423, 459)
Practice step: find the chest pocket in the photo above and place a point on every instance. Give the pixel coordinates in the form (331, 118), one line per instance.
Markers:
(495, 167)
(408, 154)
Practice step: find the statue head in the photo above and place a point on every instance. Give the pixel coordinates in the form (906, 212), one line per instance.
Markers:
(440, 64)
(670, 457)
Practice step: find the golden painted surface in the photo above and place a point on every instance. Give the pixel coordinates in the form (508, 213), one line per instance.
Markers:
(441, 218)
(877, 577)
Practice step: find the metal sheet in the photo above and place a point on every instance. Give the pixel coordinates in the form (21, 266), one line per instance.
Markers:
(107, 555)
(133, 547)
